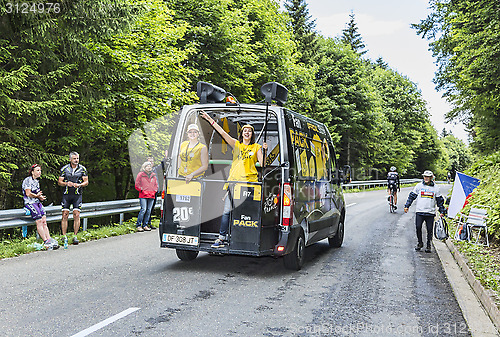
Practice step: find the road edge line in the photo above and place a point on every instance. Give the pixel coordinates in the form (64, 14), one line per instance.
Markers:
(475, 313)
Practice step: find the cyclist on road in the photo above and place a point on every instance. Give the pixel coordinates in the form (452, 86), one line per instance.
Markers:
(393, 185)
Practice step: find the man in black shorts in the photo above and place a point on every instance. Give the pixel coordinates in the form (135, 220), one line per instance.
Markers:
(73, 177)
(393, 185)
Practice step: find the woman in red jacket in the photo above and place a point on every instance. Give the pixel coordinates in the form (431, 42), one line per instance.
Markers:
(147, 185)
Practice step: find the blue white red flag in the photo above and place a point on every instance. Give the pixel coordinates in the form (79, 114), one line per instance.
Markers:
(462, 188)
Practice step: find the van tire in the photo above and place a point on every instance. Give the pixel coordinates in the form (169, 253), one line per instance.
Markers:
(337, 240)
(186, 255)
(295, 259)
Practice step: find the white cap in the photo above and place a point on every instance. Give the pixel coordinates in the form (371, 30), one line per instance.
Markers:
(428, 173)
(193, 127)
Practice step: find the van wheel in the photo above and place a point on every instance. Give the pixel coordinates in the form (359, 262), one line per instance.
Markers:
(186, 255)
(295, 260)
(336, 241)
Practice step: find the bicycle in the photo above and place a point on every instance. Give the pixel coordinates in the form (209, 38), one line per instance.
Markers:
(392, 206)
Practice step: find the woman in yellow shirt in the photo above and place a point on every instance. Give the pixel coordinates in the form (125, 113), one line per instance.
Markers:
(246, 153)
(193, 155)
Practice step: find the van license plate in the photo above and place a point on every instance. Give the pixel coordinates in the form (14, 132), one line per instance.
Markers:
(180, 239)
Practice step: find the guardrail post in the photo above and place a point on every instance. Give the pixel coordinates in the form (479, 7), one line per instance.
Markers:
(121, 218)
(85, 224)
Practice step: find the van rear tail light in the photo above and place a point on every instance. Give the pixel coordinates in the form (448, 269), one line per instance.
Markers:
(161, 206)
(287, 204)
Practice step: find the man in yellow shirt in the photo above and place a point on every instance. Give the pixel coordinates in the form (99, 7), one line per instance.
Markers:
(246, 154)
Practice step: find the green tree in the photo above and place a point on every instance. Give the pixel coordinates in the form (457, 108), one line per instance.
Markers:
(41, 55)
(151, 84)
(345, 102)
(466, 40)
(304, 30)
(404, 107)
(457, 152)
(351, 36)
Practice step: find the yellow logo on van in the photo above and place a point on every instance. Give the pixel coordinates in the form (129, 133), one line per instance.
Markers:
(245, 221)
(312, 127)
(299, 139)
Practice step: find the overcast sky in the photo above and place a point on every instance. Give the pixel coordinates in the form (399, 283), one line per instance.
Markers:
(384, 26)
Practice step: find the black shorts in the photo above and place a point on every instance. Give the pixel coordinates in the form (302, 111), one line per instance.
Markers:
(393, 187)
(71, 199)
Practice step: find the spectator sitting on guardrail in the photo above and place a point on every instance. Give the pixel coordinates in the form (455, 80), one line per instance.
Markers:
(147, 185)
(73, 177)
(33, 198)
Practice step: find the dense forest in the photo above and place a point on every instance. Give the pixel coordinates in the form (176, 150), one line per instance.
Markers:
(85, 75)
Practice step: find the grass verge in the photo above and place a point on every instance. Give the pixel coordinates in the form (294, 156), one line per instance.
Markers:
(13, 247)
(484, 263)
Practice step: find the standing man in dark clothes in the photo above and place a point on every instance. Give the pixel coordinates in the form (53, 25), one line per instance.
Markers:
(73, 178)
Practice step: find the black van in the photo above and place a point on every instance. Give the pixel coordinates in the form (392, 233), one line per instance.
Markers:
(296, 202)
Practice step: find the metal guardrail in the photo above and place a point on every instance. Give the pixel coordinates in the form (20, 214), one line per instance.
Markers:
(12, 218)
(374, 183)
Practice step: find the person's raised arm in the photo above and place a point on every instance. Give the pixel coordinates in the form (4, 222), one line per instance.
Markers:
(230, 140)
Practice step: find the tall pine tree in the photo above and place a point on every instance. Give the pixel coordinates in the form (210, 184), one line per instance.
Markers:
(351, 37)
(304, 29)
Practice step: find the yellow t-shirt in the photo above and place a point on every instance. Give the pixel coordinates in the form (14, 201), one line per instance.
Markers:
(244, 160)
(190, 159)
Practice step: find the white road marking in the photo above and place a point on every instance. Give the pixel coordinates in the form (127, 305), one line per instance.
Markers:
(108, 321)
(354, 203)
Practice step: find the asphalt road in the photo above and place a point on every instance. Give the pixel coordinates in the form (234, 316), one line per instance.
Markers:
(376, 284)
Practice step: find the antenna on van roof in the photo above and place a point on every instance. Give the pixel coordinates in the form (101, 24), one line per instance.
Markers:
(209, 93)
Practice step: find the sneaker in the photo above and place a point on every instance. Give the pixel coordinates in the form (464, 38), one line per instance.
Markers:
(152, 227)
(218, 244)
(55, 244)
(146, 228)
(395, 207)
(428, 248)
(419, 246)
(48, 244)
(139, 229)
(75, 240)
(51, 244)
